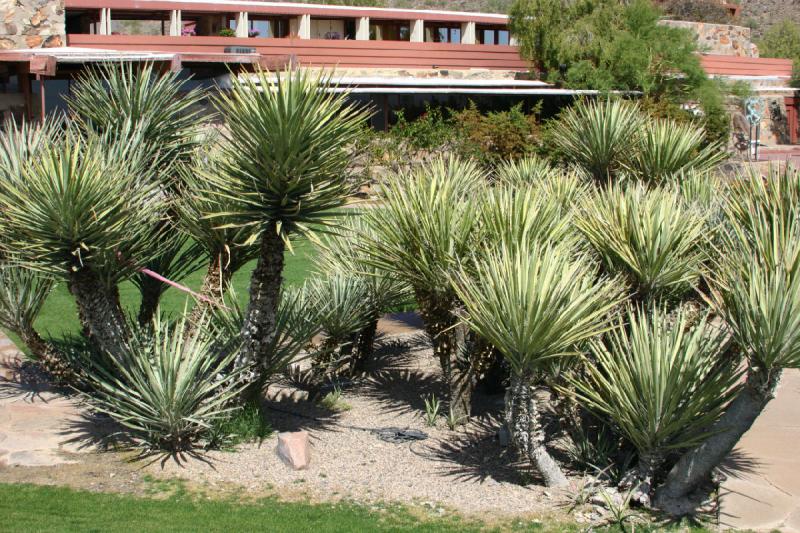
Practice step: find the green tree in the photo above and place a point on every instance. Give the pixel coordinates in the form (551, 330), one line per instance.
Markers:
(783, 40)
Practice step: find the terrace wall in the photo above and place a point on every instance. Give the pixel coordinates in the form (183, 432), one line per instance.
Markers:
(31, 24)
(720, 39)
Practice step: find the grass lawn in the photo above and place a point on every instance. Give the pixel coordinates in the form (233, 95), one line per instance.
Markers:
(60, 316)
(36, 508)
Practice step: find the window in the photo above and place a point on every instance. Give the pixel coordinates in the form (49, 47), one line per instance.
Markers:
(390, 30)
(442, 33)
(268, 27)
(139, 22)
(493, 35)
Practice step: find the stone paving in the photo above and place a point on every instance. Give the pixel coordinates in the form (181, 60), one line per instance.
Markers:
(36, 424)
(762, 492)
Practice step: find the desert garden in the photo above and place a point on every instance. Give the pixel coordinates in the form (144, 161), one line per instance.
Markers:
(567, 338)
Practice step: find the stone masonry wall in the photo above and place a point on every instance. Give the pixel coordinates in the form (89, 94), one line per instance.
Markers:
(31, 24)
(723, 39)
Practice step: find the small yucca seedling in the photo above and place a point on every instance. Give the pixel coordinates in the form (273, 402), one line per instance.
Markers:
(432, 407)
(454, 419)
(333, 401)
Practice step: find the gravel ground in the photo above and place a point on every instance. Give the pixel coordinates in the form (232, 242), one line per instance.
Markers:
(466, 470)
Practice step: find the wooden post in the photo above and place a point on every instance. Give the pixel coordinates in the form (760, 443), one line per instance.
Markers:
(43, 111)
(25, 89)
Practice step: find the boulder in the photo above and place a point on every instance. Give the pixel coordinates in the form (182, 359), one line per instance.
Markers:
(294, 449)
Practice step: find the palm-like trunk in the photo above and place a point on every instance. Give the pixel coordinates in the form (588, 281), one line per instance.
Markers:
(215, 284)
(449, 339)
(697, 465)
(100, 311)
(364, 347)
(258, 329)
(47, 355)
(524, 424)
(151, 290)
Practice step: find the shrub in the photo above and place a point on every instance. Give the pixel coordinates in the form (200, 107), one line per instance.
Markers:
(662, 380)
(497, 135)
(167, 389)
(226, 32)
(697, 11)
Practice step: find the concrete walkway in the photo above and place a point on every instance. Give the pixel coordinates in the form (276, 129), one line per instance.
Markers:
(36, 423)
(762, 492)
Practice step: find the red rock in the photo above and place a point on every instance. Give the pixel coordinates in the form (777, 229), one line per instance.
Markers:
(294, 449)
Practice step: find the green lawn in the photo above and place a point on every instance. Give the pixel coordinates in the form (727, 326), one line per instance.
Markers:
(26, 508)
(60, 315)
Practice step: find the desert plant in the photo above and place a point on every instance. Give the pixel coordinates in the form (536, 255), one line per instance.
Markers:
(453, 419)
(666, 148)
(535, 304)
(523, 172)
(283, 168)
(599, 136)
(424, 228)
(167, 390)
(84, 212)
(756, 290)
(333, 401)
(662, 380)
(341, 253)
(650, 237)
(432, 408)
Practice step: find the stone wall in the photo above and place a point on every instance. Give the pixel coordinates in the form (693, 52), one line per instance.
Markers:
(723, 39)
(31, 24)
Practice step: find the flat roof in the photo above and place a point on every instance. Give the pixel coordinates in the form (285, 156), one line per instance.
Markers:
(292, 8)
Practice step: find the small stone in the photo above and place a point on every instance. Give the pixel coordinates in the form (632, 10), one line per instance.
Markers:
(294, 449)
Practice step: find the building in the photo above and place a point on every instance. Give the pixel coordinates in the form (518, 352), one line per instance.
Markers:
(394, 57)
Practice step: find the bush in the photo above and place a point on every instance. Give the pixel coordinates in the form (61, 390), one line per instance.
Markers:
(167, 389)
(226, 32)
(697, 11)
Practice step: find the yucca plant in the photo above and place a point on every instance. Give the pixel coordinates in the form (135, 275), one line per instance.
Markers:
(523, 172)
(652, 238)
(167, 390)
(341, 254)
(282, 170)
(664, 149)
(758, 296)
(599, 136)
(425, 226)
(21, 142)
(662, 380)
(535, 305)
(84, 212)
(107, 98)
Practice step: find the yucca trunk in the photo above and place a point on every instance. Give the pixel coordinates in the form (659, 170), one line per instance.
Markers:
(100, 311)
(524, 423)
(258, 329)
(697, 465)
(364, 347)
(151, 292)
(448, 336)
(215, 283)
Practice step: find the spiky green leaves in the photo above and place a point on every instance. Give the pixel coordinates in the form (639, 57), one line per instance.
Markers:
(85, 201)
(660, 378)
(653, 238)
(166, 388)
(536, 304)
(286, 158)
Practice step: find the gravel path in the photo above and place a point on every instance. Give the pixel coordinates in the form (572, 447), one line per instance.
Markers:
(466, 470)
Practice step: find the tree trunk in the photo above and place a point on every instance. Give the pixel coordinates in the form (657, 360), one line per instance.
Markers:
(46, 354)
(151, 291)
(364, 348)
(697, 465)
(215, 283)
(258, 329)
(449, 339)
(524, 424)
(100, 310)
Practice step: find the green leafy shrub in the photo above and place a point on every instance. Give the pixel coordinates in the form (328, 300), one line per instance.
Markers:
(226, 32)
(166, 389)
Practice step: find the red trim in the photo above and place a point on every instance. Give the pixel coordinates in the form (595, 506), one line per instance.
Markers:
(310, 9)
(326, 53)
(746, 66)
(792, 119)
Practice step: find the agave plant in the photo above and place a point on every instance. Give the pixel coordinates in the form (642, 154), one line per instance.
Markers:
(341, 254)
(652, 238)
(282, 171)
(84, 212)
(662, 380)
(523, 172)
(599, 136)
(666, 148)
(425, 227)
(535, 305)
(756, 290)
(167, 389)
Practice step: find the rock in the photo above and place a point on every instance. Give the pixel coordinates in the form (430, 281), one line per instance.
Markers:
(606, 496)
(294, 449)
